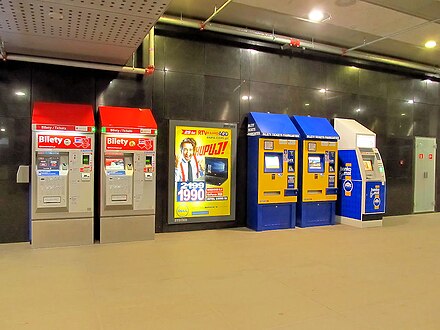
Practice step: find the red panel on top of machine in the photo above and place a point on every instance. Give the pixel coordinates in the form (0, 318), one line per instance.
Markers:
(127, 120)
(62, 117)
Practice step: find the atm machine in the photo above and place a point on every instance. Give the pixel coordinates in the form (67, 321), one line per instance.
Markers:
(128, 174)
(362, 180)
(318, 171)
(272, 171)
(62, 174)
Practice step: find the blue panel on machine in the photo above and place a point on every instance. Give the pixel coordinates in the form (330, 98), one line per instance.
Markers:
(271, 124)
(374, 197)
(315, 128)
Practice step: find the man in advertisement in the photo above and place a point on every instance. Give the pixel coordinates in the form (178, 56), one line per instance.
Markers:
(189, 167)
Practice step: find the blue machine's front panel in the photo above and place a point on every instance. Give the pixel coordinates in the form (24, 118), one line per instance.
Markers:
(315, 214)
(349, 203)
(375, 197)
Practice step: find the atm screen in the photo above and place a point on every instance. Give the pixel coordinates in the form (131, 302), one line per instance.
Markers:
(216, 166)
(273, 162)
(114, 163)
(51, 162)
(316, 163)
(368, 165)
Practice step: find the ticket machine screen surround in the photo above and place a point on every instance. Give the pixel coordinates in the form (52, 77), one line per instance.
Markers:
(316, 163)
(273, 162)
(114, 162)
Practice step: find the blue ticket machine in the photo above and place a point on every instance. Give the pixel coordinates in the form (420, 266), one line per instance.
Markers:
(362, 182)
(272, 182)
(318, 163)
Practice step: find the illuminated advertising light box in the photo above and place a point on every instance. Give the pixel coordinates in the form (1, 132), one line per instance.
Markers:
(202, 172)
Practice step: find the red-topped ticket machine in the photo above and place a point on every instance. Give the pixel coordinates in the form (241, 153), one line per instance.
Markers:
(62, 174)
(128, 174)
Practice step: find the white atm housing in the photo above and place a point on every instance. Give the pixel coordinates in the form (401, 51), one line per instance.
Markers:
(62, 175)
(128, 174)
(362, 196)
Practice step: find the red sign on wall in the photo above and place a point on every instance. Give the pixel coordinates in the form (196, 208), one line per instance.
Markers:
(128, 143)
(430, 156)
(63, 142)
(421, 156)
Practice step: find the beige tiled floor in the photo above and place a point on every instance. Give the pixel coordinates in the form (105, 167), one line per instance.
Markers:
(317, 278)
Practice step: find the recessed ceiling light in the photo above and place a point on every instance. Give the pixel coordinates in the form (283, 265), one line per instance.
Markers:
(246, 98)
(318, 16)
(430, 44)
(403, 114)
(20, 93)
(2, 129)
(358, 110)
(410, 101)
(307, 104)
(323, 90)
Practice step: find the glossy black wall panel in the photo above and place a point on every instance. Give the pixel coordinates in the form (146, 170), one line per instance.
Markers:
(221, 99)
(432, 92)
(403, 88)
(373, 83)
(342, 78)
(400, 118)
(372, 113)
(307, 102)
(51, 83)
(270, 68)
(425, 119)
(125, 90)
(340, 105)
(267, 97)
(14, 198)
(222, 61)
(399, 171)
(15, 89)
(306, 73)
(184, 56)
(184, 96)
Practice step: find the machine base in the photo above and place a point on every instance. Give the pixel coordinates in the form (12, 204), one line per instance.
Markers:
(127, 229)
(274, 216)
(312, 214)
(62, 232)
(358, 223)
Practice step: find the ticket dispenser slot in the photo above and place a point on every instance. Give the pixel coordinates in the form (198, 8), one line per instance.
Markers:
(119, 179)
(52, 179)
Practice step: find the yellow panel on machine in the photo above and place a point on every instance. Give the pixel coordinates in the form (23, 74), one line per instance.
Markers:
(320, 163)
(277, 170)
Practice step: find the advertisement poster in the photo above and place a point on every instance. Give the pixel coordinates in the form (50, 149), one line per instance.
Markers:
(203, 173)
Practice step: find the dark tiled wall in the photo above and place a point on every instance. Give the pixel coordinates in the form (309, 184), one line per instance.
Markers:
(211, 82)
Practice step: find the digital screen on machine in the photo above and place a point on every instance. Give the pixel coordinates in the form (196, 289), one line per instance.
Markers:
(148, 161)
(316, 164)
(368, 165)
(86, 160)
(48, 162)
(114, 163)
(273, 162)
